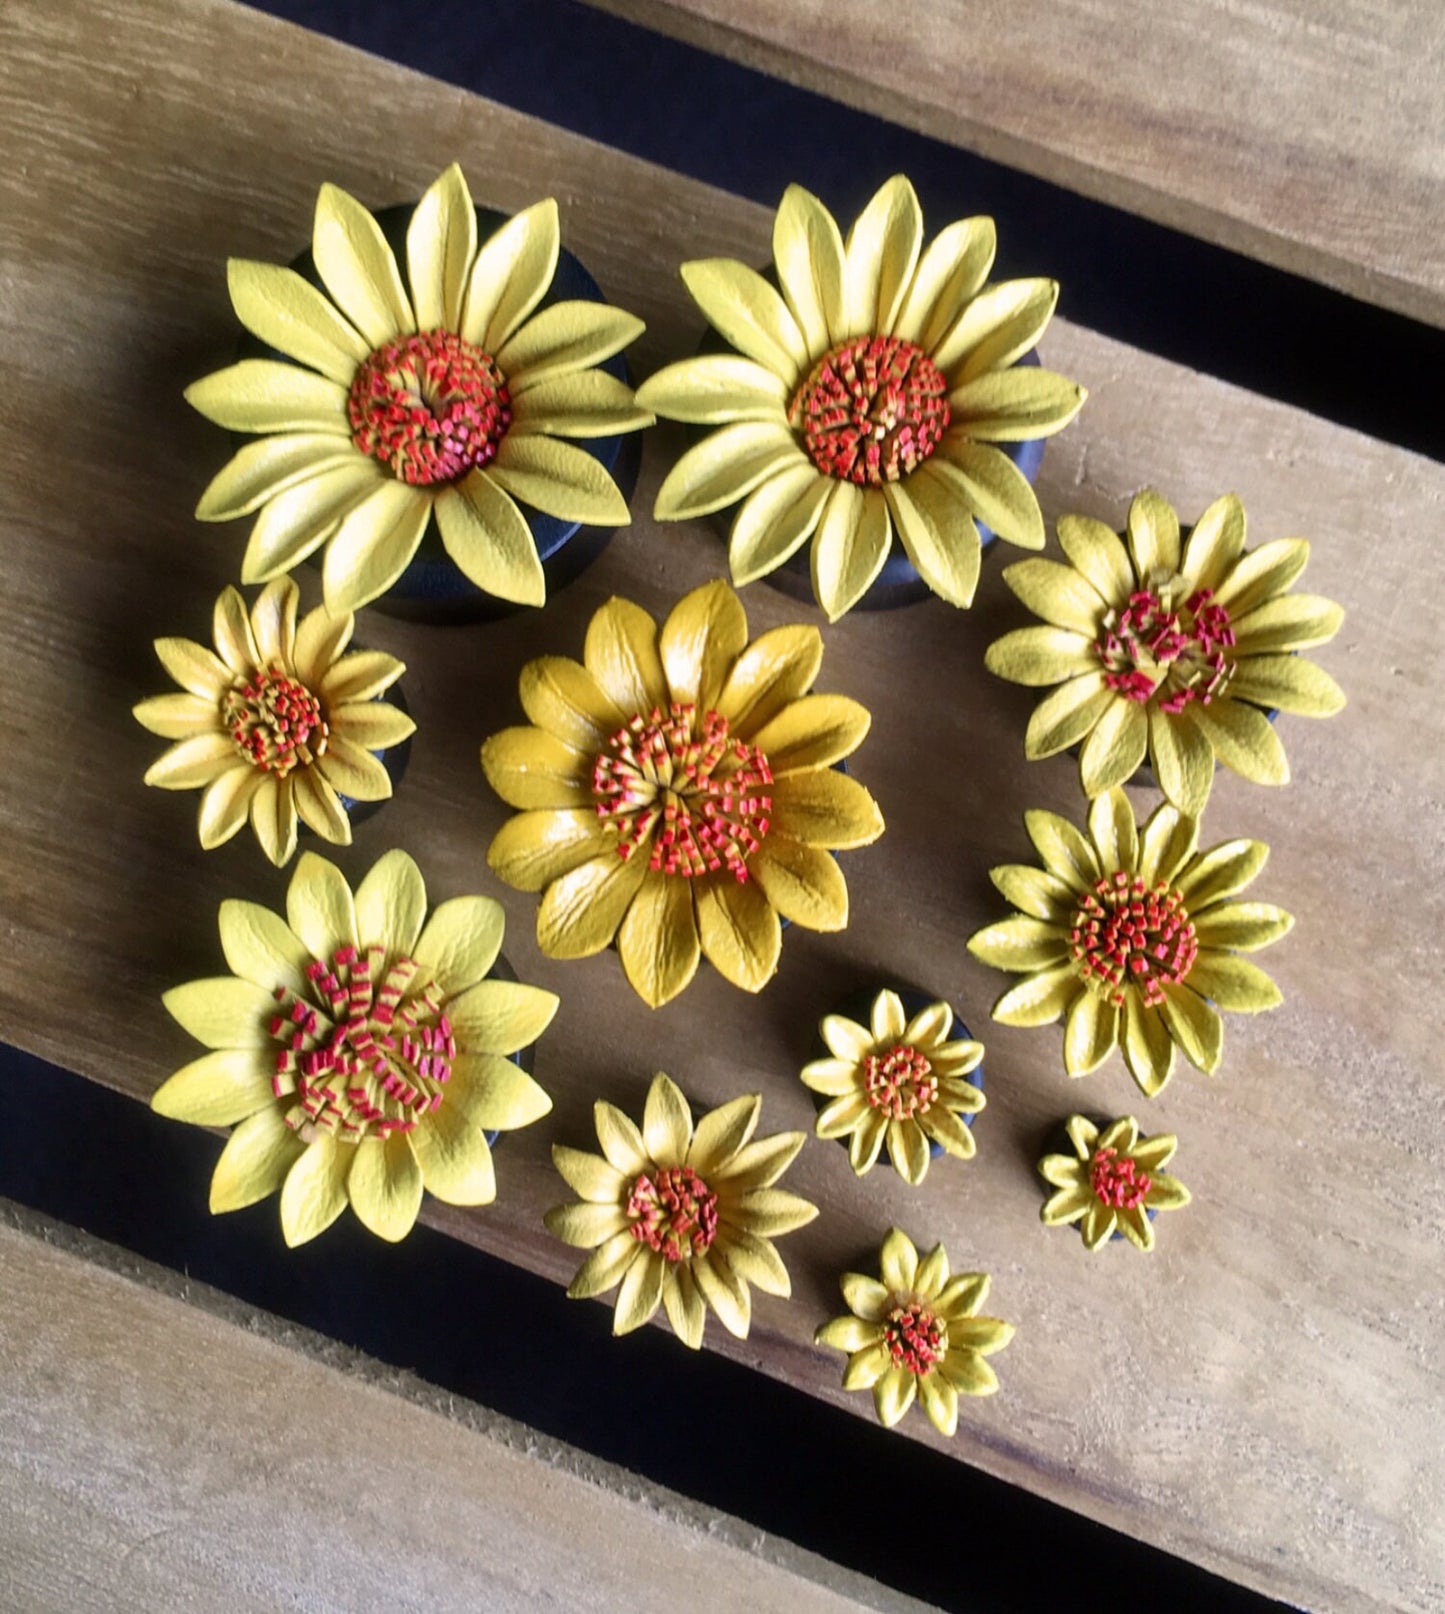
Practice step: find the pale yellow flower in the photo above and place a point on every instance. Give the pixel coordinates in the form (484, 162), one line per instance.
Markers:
(1112, 1182)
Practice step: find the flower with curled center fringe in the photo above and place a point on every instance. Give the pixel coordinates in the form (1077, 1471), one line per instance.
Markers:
(864, 399)
(1169, 648)
(359, 1050)
(680, 1218)
(1133, 937)
(1111, 1182)
(917, 1334)
(394, 403)
(277, 723)
(898, 1080)
(678, 793)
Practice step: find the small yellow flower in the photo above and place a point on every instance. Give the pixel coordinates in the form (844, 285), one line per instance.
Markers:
(679, 1218)
(864, 399)
(679, 794)
(897, 1079)
(397, 403)
(1133, 938)
(277, 723)
(917, 1334)
(359, 1050)
(1169, 648)
(1111, 1182)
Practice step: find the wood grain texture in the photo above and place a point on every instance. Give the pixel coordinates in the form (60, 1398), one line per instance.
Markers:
(1308, 133)
(1263, 1394)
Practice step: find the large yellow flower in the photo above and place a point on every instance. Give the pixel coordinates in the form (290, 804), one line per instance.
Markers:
(864, 398)
(443, 399)
(679, 794)
(1133, 938)
(1112, 1183)
(679, 1218)
(277, 723)
(358, 1049)
(1170, 648)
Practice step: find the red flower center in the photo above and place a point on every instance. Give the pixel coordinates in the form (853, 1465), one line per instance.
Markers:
(366, 1054)
(1155, 647)
(275, 722)
(872, 410)
(915, 1338)
(674, 1212)
(1116, 1180)
(695, 798)
(900, 1082)
(429, 407)
(1126, 933)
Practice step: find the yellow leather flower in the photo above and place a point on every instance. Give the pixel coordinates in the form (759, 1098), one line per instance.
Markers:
(1169, 648)
(679, 795)
(1111, 1182)
(864, 399)
(679, 1218)
(917, 1334)
(394, 403)
(358, 1049)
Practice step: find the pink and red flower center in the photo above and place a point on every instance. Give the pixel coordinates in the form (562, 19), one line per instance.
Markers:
(1126, 933)
(871, 410)
(1116, 1180)
(900, 1082)
(275, 722)
(430, 407)
(366, 1051)
(1179, 652)
(914, 1337)
(686, 793)
(674, 1212)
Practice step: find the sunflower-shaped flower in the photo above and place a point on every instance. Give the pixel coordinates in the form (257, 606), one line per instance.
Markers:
(897, 1079)
(864, 399)
(917, 1334)
(358, 1049)
(679, 1218)
(1132, 937)
(395, 402)
(1169, 647)
(277, 722)
(1113, 1182)
(679, 794)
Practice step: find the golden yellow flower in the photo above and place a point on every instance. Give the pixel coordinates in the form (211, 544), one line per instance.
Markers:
(1112, 1182)
(276, 723)
(1169, 648)
(442, 397)
(359, 1050)
(917, 1334)
(679, 794)
(864, 399)
(897, 1079)
(679, 1218)
(1133, 938)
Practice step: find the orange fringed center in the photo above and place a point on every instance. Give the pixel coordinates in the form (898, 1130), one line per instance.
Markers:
(275, 722)
(915, 1338)
(872, 410)
(684, 792)
(1178, 652)
(900, 1083)
(1116, 1180)
(1126, 933)
(368, 1053)
(430, 407)
(674, 1212)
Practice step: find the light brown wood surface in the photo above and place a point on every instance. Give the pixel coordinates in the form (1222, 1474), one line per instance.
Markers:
(148, 1463)
(1308, 133)
(1264, 1393)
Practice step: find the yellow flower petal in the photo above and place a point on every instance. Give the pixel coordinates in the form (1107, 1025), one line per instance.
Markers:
(775, 520)
(563, 698)
(908, 1150)
(500, 1017)
(223, 1012)
(992, 487)
(192, 762)
(827, 809)
(866, 1142)
(686, 1309)
(621, 654)
(373, 725)
(1091, 1034)
(739, 931)
(385, 1186)
(1114, 833)
(533, 849)
(1064, 717)
(488, 537)
(1021, 943)
(866, 1297)
(951, 271)
(770, 675)
(391, 904)
(194, 668)
(269, 466)
(254, 1162)
(893, 1395)
(939, 1399)
(1014, 406)
(314, 1193)
(273, 818)
(814, 732)
(937, 533)
(930, 1027)
(1058, 594)
(996, 328)
(441, 240)
(589, 403)
(527, 767)
(726, 465)
(1115, 748)
(581, 910)
(598, 1181)
(563, 339)
(360, 676)
(1244, 740)
(771, 1212)
(273, 620)
(880, 257)
(460, 942)
(945, 1129)
(640, 1294)
(1040, 999)
(620, 1139)
(1064, 850)
(1262, 574)
(289, 314)
(722, 1132)
(666, 1122)
(754, 1261)
(261, 948)
(320, 640)
(299, 520)
(715, 389)
(373, 545)
(455, 1158)
(898, 1261)
(268, 395)
(1194, 1026)
(843, 1116)
(496, 1094)
(849, 547)
(510, 275)
(231, 633)
(705, 633)
(1166, 843)
(866, 1367)
(1035, 891)
(557, 478)
(808, 252)
(968, 1373)
(1183, 759)
(1153, 535)
(803, 884)
(1233, 983)
(1287, 622)
(605, 1266)
(354, 772)
(1098, 1225)
(658, 941)
(358, 269)
(745, 309)
(835, 1078)
(1039, 656)
(845, 1038)
(319, 807)
(319, 907)
(1220, 872)
(1216, 543)
(1148, 1047)
(847, 1334)
(1167, 1193)
(725, 1293)
(1099, 555)
(585, 1226)
(218, 1089)
(1289, 683)
(1244, 926)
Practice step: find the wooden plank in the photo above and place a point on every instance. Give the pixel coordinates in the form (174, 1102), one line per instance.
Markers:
(1307, 133)
(158, 1442)
(1264, 1394)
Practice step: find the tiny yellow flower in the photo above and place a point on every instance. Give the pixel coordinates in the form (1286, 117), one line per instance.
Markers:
(1112, 1182)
